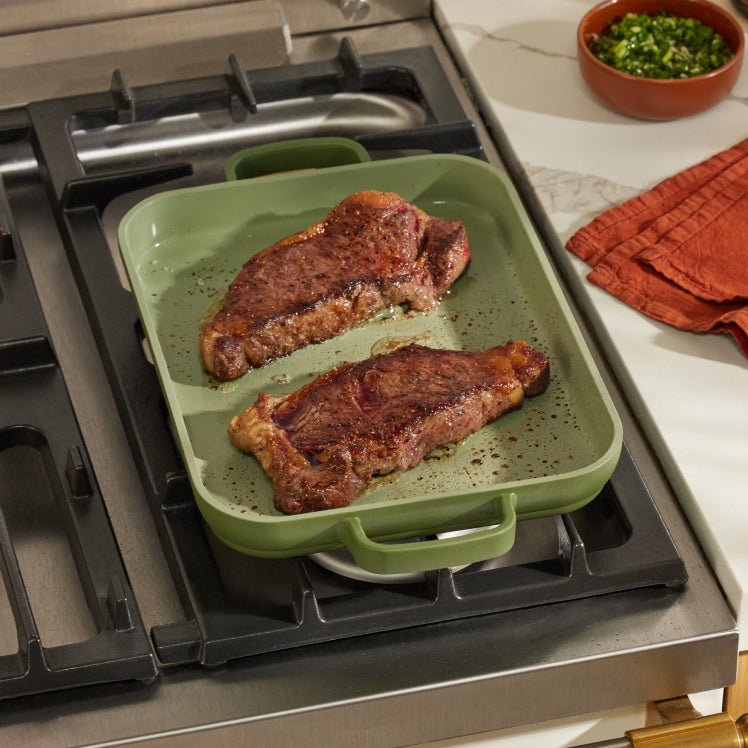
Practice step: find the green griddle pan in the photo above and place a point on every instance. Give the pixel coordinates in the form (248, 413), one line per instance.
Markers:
(182, 248)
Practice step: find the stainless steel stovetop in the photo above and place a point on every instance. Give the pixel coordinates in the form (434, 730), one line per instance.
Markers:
(396, 686)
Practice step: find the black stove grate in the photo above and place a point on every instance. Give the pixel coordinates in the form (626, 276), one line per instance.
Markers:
(599, 551)
(35, 412)
(618, 542)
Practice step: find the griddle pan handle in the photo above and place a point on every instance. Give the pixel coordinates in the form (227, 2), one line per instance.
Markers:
(422, 555)
(294, 155)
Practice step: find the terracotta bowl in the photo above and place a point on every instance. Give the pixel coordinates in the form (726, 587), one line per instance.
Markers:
(648, 98)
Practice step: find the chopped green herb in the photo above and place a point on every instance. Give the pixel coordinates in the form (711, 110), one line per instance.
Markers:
(661, 46)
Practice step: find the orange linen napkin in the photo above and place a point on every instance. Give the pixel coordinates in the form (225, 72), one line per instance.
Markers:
(679, 252)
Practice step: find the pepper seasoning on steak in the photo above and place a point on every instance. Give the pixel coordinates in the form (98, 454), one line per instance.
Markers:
(322, 444)
(371, 251)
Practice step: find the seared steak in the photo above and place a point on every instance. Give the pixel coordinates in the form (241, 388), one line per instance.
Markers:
(372, 250)
(323, 443)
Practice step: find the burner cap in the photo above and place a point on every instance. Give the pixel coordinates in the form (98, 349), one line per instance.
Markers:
(342, 562)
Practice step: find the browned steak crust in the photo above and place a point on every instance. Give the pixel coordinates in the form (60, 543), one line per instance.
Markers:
(323, 443)
(372, 250)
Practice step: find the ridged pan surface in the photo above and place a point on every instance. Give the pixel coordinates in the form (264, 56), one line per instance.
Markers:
(182, 248)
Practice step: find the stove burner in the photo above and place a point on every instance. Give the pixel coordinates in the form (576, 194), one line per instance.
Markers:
(342, 562)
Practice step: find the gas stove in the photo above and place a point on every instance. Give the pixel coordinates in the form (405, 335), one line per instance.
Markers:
(120, 602)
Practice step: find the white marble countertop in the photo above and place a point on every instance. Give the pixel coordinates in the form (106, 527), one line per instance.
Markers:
(582, 158)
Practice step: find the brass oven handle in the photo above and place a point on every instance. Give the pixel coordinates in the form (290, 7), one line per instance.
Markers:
(713, 731)
(684, 728)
